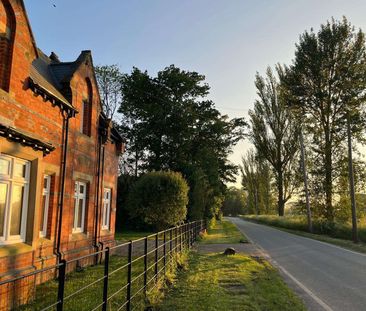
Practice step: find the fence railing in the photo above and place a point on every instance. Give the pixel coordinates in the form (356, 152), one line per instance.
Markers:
(117, 278)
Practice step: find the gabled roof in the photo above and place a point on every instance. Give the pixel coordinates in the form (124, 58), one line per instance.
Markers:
(64, 71)
(42, 76)
(51, 75)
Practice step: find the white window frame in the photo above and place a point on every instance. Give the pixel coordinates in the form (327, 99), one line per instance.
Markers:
(46, 196)
(11, 180)
(106, 208)
(79, 196)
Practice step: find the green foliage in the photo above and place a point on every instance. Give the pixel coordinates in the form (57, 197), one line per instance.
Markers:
(159, 199)
(320, 226)
(327, 81)
(171, 125)
(123, 219)
(275, 135)
(235, 202)
(256, 181)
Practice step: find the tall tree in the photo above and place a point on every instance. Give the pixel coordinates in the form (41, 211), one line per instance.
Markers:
(256, 181)
(109, 81)
(173, 126)
(328, 79)
(275, 134)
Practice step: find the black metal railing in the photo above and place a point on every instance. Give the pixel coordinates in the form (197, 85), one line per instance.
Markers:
(117, 278)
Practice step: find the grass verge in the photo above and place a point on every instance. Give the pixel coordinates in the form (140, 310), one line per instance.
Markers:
(218, 282)
(286, 223)
(223, 232)
(215, 282)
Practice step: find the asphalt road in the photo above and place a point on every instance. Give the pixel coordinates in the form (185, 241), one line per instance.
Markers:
(330, 277)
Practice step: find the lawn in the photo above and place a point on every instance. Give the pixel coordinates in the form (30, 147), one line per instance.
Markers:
(128, 235)
(224, 232)
(215, 282)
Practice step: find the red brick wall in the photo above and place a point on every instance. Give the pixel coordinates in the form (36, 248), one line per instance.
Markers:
(23, 110)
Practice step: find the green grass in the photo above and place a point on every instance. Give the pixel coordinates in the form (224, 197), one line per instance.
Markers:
(128, 235)
(297, 225)
(88, 299)
(215, 282)
(218, 282)
(223, 232)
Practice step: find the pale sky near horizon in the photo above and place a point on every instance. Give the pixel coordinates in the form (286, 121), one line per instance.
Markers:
(226, 40)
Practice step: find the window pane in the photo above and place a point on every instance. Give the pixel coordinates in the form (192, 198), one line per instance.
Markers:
(42, 212)
(81, 189)
(3, 198)
(45, 183)
(80, 211)
(4, 166)
(19, 170)
(16, 209)
(104, 214)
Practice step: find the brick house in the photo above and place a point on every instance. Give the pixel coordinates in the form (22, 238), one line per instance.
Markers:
(58, 153)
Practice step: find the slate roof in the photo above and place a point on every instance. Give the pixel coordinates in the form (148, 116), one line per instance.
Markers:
(51, 75)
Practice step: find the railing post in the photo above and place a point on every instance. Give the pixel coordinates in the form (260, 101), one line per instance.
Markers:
(156, 255)
(164, 252)
(186, 236)
(106, 277)
(171, 241)
(129, 277)
(180, 238)
(176, 240)
(145, 266)
(61, 285)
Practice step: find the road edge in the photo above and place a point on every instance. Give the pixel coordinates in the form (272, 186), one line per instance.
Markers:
(304, 293)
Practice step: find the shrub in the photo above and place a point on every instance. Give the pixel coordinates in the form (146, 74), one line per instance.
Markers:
(159, 199)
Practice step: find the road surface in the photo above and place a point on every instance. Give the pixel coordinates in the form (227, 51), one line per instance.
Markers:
(330, 277)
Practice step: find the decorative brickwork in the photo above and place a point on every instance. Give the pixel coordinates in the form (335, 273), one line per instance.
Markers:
(7, 32)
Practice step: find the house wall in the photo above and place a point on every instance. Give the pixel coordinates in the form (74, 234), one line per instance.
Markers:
(21, 109)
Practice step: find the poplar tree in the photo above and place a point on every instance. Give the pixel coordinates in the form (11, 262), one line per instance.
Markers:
(327, 80)
(275, 134)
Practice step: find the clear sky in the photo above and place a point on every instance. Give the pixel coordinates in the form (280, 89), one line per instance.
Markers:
(226, 40)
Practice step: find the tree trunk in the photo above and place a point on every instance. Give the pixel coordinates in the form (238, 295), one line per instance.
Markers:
(305, 175)
(256, 201)
(328, 184)
(351, 182)
(281, 201)
(136, 163)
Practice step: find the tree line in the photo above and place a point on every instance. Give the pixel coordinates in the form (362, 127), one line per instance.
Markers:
(307, 127)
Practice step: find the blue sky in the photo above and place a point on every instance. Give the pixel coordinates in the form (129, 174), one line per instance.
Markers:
(227, 40)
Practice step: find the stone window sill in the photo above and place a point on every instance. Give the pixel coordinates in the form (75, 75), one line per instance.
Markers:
(77, 236)
(14, 249)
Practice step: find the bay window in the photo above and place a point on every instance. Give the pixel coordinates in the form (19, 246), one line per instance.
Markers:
(14, 189)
